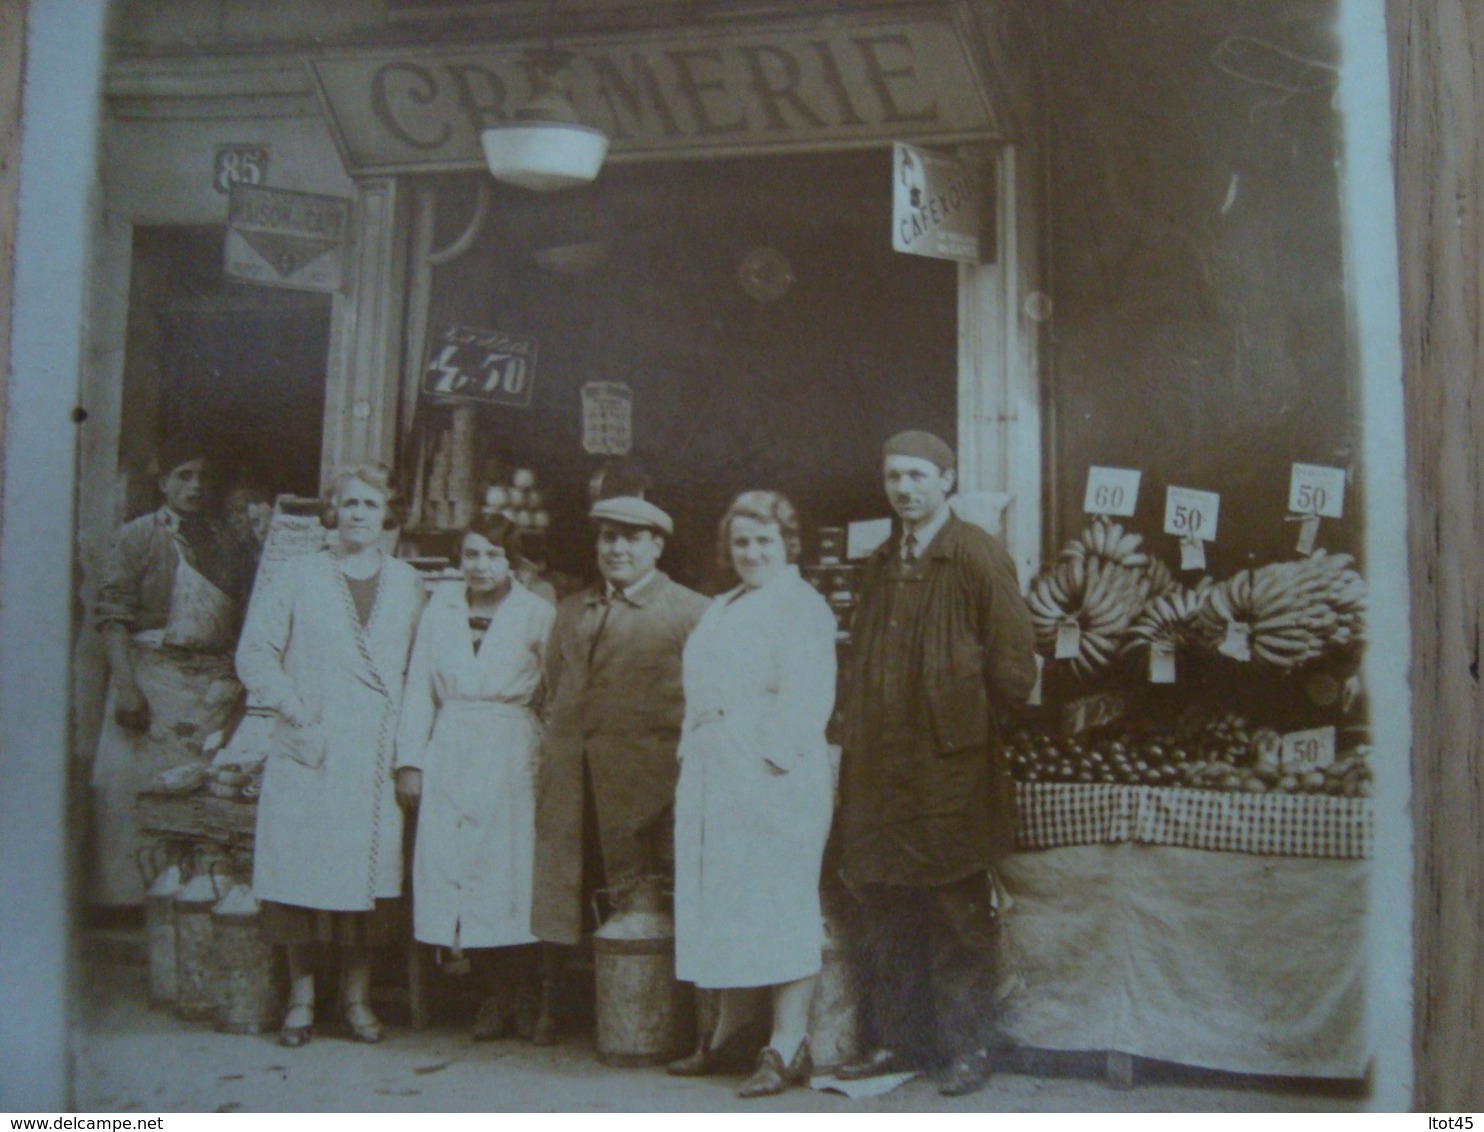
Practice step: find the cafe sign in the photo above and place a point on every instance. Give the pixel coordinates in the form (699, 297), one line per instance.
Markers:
(278, 238)
(700, 92)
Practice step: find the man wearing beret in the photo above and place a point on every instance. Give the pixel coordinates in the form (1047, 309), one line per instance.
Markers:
(605, 787)
(941, 637)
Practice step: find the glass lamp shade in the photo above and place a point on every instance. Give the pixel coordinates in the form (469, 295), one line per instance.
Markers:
(544, 156)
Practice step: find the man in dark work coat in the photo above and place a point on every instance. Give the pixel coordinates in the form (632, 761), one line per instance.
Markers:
(941, 636)
(605, 786)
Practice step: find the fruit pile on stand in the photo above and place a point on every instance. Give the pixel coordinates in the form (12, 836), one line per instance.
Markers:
(1152, 682)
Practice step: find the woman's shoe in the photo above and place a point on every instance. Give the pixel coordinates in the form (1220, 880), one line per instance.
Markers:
(705, 1059)
(772, 1077)
(298, 1025)
(489, 1023)
(364, 1025)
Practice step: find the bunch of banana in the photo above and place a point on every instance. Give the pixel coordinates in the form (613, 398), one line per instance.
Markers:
(1110, 542)
(1293, 610)
(1161, 581)
(1100, 597)
(1168, 618)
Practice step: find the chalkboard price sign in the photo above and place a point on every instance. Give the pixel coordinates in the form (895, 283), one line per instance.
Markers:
(492, 366)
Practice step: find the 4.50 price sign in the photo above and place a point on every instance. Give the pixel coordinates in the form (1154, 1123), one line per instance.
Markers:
(1111, 491)
(493, 366)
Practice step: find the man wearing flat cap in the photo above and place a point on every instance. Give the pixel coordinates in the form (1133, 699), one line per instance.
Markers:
(941, 638)
(605, 787)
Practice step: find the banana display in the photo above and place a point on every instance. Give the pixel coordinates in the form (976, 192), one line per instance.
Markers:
(1289, 613)
(1105, 596)
(1094, 590)
(1169, 618)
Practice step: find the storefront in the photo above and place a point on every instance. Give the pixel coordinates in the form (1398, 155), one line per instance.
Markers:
(731, 270)
(1151, 297)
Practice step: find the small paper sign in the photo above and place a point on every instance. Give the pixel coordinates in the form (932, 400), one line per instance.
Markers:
(1096, 710)
(1111, 491)
(1192, 554)
(1034, 699)
(1308, 533)
(1308, 750)
(1162, 663)
(1317, 490)
(1238, 641)
(1191, 514)
(862, 539)
(1068, 640)
(607, 418)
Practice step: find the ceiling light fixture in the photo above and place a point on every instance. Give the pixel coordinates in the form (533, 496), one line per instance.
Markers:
(545, 146)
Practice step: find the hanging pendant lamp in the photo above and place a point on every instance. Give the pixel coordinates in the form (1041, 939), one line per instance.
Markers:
(546, 146)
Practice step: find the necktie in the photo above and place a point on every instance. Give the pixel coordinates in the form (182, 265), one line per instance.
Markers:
(592, 651)
(909, 548)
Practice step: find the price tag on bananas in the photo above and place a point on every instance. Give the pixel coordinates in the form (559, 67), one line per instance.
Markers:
(1317, 490)
(1307, 750)
(1237, 643)
(1068, 640)
(1111, 491)
(1161, 663)
(1191, 514)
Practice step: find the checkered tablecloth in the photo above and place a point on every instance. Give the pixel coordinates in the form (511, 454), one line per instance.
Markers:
(1054, 814)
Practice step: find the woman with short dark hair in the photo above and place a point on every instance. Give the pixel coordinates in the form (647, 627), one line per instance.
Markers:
(326, 646)
(466, 752)
(754, 801)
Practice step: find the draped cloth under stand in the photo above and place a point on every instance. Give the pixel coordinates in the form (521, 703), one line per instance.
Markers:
(1230, 961)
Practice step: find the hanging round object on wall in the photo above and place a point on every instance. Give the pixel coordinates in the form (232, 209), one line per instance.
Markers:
(765, 274)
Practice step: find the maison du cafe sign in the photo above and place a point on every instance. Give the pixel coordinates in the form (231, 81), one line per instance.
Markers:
(713, 91)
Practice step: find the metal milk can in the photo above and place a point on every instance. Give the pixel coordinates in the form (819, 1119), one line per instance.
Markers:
(159, 934)
(195, 948)
(644, 1016)
(248, 999)
(834, 1036)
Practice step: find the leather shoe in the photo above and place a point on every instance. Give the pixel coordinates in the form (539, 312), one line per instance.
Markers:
(968, 1074)
(705, 1059)
(364, 1025)
(297, 1035)
(877, 1063)
(772, 1077)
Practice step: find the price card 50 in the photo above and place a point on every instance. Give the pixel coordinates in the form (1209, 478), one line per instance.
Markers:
(1308, 750)
(1317, 490)
(1191, 514)
(1111, 491)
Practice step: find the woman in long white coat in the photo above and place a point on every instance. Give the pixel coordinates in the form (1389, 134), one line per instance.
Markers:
(466, 754)
(326, 647)
(754, 801)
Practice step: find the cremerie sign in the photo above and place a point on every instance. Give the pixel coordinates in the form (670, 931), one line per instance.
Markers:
(710, 92)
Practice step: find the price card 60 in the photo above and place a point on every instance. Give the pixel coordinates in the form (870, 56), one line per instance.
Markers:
(1316, 490)
(1308, 750)
(1191, 514)
(1111, 491)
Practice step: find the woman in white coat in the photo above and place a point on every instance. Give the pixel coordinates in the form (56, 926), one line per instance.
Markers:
(754, 801)
(326, 647)
(466, 752)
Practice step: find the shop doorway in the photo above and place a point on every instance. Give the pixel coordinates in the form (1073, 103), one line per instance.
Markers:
(770, 336)
(240, 366)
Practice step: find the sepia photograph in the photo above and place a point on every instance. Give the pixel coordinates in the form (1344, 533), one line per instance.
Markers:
(830, 556)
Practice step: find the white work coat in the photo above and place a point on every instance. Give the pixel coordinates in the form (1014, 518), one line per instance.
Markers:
(759, 682)
(329, 831)
(469, 724)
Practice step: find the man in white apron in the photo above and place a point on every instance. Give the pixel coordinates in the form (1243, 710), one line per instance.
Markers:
(169, 607)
